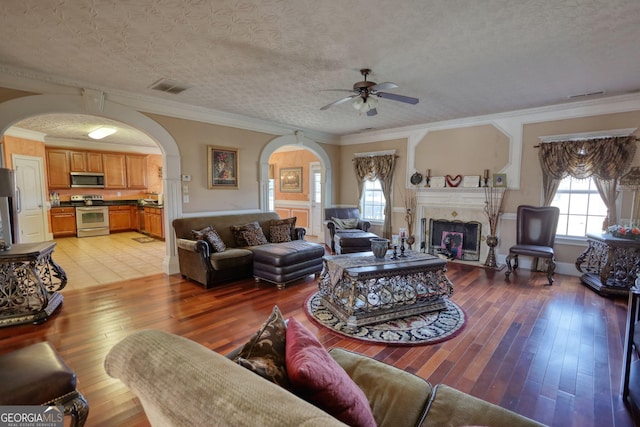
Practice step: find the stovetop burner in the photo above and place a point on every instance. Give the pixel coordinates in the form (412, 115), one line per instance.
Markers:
(87, 199)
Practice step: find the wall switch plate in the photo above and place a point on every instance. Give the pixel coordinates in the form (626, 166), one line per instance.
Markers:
(185, 189)
(186, 178)
(185, 198)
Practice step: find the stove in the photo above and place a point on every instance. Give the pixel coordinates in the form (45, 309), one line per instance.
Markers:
(92, 217)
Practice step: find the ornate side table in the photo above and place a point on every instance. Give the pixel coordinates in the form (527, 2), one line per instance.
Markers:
(29, 283)
(610, 264)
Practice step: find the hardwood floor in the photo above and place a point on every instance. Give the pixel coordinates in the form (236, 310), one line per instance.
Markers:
(551, 353)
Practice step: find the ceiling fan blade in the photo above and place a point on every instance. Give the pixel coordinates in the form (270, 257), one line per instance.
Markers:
(372, 112)
(384, 86)
(339, 101)
(400, 98)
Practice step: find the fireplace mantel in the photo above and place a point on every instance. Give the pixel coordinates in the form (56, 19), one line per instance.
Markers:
(454, 204)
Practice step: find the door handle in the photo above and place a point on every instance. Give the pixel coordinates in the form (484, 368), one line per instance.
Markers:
(18, 200)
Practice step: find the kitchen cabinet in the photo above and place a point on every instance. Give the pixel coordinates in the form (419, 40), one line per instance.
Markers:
(120, 218)
(94, 162)
(63, 222)
(140, 219)
(58, 168)
(153, 222)
(115, 171)
(136, 171)
(77, 161)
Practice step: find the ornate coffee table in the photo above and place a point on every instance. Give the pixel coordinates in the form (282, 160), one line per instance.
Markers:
(361, 289)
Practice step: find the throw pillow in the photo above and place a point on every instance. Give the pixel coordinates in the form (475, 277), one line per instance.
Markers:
(317, 378)
(345, 222)
(264, 353)
(211, 236)
(280, 233)
(291, 222)
(250, 234)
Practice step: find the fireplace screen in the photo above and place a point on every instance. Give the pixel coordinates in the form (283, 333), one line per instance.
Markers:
(454, 239)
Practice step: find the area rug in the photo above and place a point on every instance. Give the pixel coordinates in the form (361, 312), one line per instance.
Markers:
(144, 239)
(420, 329)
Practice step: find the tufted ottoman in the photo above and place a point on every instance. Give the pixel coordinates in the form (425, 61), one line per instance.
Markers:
(281, 263)
(37, 375)
(352, 240)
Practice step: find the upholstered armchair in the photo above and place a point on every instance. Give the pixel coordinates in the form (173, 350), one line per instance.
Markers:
(341, 213)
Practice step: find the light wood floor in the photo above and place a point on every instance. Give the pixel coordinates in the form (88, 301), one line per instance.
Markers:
(551, 353)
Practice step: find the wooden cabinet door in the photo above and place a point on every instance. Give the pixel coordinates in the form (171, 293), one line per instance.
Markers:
(63, 222)
(94, 162)
(58, 169)
(115, 175)
(78, 161)
(136, 171)
(120, 218)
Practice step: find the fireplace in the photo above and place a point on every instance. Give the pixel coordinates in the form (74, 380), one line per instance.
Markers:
(454, 239)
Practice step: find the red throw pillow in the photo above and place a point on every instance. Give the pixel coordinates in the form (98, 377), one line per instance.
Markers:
(318, 379)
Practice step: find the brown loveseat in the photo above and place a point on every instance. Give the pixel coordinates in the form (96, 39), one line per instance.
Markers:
(278, 263)
(182, 383)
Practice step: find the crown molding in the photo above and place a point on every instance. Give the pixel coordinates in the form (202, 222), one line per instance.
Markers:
(594, 107)
(41, 83)
(25, 134)
(101, 146)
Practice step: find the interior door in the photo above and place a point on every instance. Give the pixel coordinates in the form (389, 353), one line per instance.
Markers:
(30, 198)
(316, 201)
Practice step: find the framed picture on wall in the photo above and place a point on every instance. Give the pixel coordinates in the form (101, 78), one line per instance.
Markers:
(291, 180)
(222, 170)
(499, 180)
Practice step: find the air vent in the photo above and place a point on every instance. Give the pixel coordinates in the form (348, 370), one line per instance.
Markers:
(169, 86)
(584, 95)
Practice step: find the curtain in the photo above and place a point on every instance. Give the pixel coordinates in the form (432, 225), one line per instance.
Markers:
(381, 168)
(604, 159)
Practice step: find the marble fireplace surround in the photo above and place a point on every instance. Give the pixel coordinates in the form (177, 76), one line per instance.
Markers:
(453, 204)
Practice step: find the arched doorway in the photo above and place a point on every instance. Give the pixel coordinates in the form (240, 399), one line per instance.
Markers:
(93, 103)
(323, 171)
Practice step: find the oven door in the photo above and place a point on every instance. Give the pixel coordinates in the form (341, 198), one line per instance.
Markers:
(92, 221)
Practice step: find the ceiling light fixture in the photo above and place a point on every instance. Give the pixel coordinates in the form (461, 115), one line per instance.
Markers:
(364, 105)
(101, 132)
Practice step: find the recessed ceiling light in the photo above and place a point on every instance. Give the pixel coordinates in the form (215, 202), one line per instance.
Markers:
(101, 132)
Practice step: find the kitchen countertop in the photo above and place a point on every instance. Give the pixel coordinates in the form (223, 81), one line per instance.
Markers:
(109, 203)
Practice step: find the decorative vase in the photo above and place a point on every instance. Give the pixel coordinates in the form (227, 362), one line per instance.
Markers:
(492, 242)
(379, 246)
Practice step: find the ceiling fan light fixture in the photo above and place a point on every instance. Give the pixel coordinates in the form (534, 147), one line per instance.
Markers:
(101, 132)
(364, 105)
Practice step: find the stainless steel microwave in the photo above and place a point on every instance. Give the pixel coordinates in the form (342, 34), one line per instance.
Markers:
(87, 180)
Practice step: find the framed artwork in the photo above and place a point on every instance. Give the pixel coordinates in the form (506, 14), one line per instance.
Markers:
(291, 180)
(451, 244)
(499, 179)
(222, 168)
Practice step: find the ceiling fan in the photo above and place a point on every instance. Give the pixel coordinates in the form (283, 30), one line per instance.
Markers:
(366, 94)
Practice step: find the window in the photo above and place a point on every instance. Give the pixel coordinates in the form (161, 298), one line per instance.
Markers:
(271, 195)
(581, 207)
(373, 201)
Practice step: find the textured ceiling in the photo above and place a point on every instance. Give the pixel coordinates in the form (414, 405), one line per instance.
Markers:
(274, 59)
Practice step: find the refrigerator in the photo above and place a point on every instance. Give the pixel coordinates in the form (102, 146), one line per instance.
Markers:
(8, 213)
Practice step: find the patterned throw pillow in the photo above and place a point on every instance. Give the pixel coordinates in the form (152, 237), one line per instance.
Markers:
(211, 236)
(264, 353)
(250, 234)
(290, 222)
(345, 223)
(280, 233)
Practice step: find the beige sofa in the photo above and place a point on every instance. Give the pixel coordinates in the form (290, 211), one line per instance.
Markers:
(182, 383)
(279, 263)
